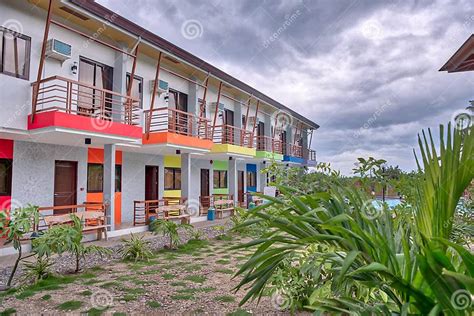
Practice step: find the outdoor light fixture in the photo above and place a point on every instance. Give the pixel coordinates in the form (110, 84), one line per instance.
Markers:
(230, 158)
(88, 141)
(264, 162)
(74, 68)
(178, 152)
(212, 161)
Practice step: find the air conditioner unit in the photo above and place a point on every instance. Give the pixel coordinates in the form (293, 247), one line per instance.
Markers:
(58, 50)
(220, 107)
(161, 88)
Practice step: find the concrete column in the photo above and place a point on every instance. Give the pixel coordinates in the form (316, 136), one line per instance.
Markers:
(161, 180)
(304, 135)
(109, 183)
(185, 175)
(211, 178)
(232, 178)
(193, 107)
(237, 121)
(119, 78)
(261, 177)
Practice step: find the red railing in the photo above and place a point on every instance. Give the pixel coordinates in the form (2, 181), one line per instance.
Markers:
(65, 95)
(266, 143)
(177, 122)
(227, 134)
(294, 151)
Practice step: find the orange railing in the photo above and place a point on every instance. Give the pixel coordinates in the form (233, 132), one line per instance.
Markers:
(176, 121)
(266, 143)
(65, 95)
(294, 151)
(227, 134)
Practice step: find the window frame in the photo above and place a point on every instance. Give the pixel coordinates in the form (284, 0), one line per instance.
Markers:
(218, 184)
(251, 175)
(117, 176)
(9, 178)
(27, 40)
(89, 165)
(174, 185)
(140, 79)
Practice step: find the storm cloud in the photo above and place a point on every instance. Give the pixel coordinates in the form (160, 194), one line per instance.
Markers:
(365, 71)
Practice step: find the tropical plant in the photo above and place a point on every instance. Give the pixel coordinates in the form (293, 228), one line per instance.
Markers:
(37, 270)
(66, 239)
(136, 249)
(197, 234)
(170, 230)
(373, 260)
(22, 222)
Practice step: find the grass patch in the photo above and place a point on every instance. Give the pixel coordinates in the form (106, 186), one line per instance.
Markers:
(179, 283)
(129, 297)
(192, 246)
(46, 297)
(195, 278)
(239, 312)
(108, 285)
(70, 306)
(97, 269)
(50, 284)
(196, 290)
(95, 311)
(222, 261)
(225, 298)
(224, 237)
(182, 297)
(91, 282)
(193, 267)
(225, 271)
(86, 293)
(151, 272)
(87, 275)
(119, 314)
(8, 312)
(154, 304)
(240, 258)
(168, 276)
(133, 290)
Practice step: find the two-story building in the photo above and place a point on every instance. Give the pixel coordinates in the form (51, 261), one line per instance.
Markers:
(95, 108)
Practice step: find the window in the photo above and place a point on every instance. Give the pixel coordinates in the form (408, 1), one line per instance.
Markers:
(137, 89)
(5, 177)
(220, 179)
(251, 179)
(14, 54)
(172, 179)
(95, 178)
(178, 100)
(118, 178)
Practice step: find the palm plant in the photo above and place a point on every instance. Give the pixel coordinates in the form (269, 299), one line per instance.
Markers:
(372, 260)
(38, 270)
(66, 238)
(170, 230)
(136, 249)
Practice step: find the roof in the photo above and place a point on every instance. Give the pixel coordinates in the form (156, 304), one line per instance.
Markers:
(104, 13)
(463, 58)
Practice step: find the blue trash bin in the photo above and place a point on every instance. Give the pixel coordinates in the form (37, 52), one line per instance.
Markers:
(211, 213)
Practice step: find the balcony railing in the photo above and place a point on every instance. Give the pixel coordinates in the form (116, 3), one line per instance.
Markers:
(227, 134)
(309, 154)
(73, 97)
(266, 143)
(177, 122)
(294, 151)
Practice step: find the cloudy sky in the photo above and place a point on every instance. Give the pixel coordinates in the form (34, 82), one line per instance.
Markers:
(365, 71)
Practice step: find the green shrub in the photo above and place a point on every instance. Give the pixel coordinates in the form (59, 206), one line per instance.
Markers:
(136, 249)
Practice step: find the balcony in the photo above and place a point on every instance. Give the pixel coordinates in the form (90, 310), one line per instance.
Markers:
(268, 147)
(310, 156)
(64, 105)
(233, 140)
(174, 127)
(293, 154)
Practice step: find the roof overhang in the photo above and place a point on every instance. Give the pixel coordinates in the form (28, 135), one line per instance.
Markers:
(463, 58)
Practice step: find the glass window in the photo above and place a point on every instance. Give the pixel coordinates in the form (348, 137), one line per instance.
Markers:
(95, 178)
(14, 53)
(172, 179)
(251, 179)
(220, 179)
(5, 177)
(137, 89)
(118, 178)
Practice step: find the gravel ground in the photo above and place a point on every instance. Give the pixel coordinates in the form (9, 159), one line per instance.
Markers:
(173, 283)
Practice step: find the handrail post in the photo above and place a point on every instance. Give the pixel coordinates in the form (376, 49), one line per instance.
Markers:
(217, 108)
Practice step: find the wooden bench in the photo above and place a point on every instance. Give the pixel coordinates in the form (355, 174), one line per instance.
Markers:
(92, 215)
(208, 201)
(222, 206)
(170, 212)
(168, 209)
